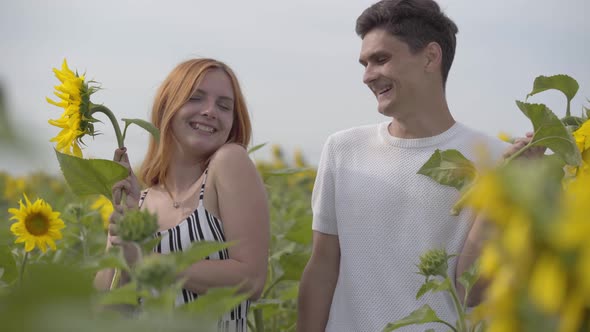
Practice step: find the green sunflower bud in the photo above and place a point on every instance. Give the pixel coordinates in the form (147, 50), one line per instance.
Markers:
(434, 263)
(75, 210)
(156, 272)
(137, 226)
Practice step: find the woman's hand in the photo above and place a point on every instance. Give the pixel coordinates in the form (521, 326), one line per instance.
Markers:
(129, 185)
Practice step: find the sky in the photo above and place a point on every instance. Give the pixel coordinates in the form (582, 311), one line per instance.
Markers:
(297, 62)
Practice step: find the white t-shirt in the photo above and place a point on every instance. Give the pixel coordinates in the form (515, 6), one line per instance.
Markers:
(368, 193)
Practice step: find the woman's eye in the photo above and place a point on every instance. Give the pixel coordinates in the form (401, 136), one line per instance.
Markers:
(195, 98)
(224, 107)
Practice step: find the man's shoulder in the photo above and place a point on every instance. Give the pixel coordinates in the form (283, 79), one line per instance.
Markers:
(477, 139)
(355, 133)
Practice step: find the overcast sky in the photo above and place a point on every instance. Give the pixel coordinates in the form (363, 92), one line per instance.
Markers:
(297, 62)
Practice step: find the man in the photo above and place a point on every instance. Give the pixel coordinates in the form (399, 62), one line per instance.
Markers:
(373, 215)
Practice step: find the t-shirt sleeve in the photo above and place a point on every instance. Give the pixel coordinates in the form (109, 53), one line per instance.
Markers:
(323, 195)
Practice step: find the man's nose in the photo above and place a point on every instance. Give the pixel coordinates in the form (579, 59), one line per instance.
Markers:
(370, 74)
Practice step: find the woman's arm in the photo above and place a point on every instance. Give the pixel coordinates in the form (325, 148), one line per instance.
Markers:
(243, 209)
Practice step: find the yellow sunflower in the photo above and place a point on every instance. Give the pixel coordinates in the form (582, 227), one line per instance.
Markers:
(36, 224)
(582, 137)
(104, 206)
(76, 120)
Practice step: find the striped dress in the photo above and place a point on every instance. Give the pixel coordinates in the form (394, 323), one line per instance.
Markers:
(200, 226)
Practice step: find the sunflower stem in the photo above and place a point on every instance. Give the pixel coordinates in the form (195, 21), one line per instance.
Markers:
(103, 109)
(22, 269)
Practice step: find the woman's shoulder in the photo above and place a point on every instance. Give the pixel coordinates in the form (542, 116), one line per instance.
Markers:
(228, 157)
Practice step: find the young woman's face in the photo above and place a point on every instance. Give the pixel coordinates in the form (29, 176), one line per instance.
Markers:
(203, 124)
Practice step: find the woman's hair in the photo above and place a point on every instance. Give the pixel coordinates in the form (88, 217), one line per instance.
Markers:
(174, 92)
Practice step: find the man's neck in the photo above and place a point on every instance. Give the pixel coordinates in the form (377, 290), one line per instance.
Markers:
(426, 118)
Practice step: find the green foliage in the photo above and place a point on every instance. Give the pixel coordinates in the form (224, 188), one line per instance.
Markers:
(137, 225)
(550, 132)
(148, 126)
(449, 168)
(563, 83)
(420, 316)
(90, 176)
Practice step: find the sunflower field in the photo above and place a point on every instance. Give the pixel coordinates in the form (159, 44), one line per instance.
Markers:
(536, 256)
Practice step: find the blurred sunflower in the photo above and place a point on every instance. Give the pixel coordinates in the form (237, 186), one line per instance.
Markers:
(104, 206)
(76, 120)
(37, 225)
(582, 138)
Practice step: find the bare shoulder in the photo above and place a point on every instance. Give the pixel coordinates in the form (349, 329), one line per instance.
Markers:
(231, 159)
(228, 154)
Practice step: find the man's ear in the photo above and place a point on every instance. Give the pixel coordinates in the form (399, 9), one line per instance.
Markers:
(433, 57)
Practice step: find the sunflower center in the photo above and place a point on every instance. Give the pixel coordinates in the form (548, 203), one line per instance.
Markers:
(37, 224)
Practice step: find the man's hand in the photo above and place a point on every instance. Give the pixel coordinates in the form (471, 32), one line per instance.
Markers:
(533, 152)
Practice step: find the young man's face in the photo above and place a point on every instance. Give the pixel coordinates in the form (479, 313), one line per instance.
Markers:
(392, 72)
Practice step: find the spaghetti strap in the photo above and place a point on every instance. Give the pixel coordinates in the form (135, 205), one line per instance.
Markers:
(142, 197)
(202, 192)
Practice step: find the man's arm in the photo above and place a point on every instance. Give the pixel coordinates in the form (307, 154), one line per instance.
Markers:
(469, 254)
(318, 283)
(477, 235)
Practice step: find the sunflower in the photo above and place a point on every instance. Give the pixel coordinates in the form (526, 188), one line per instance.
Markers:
(105, 208)
(76, 120)
(36, 224)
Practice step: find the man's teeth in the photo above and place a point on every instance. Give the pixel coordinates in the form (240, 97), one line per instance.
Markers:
(202, 127)
(384, 91)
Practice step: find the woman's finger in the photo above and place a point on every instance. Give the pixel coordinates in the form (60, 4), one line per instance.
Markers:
(113, 229)
(119, 153)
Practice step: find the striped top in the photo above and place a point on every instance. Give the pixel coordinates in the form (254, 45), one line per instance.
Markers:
(200, 225)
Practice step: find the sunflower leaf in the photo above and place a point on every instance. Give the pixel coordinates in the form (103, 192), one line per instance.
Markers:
(216, 302)
(551, 133)
(127, 294)
(145, 125)
(420, 316)
(198, 251)
(563, 83)
(449, 168)
(90, 176)
(293, 265)
(256, 148)
(9, 273)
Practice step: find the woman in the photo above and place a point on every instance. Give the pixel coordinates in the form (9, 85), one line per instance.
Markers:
(202, 184)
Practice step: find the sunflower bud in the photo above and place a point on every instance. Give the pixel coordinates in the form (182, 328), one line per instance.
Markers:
(75, 210)
(137, 226)
(156, 272)
(434, 263)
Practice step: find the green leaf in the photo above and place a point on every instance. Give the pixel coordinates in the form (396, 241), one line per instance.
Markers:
(145, 125)
(293, 265)
(551, 133)
(469, 277)
(449, 168)
(563, 83)
(256, 148)
(216, 302)
(420, 316)
(111, 260)
(266, 303)
(7, 262)
(433, 285)
(286, 171)
(126, 294)
(90, 176)
(197, 252)
(300, 231)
